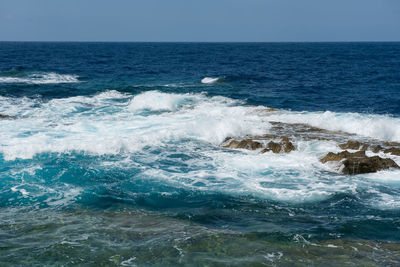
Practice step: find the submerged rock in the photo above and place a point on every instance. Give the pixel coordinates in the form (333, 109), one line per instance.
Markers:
(244, 144)
(359, 163)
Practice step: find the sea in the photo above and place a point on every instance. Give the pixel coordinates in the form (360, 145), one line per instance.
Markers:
(112, 154)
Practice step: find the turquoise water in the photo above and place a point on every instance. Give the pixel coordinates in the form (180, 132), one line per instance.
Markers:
(114, 157)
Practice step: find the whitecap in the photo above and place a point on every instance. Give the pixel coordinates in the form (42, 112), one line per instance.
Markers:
(156, 101)
(41, 78)
(209, 80)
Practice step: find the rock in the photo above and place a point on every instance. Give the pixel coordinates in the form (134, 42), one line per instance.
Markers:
(288, 146)
(342, 155)
(358, 162)
(396, 144)
(266, 136)
(285, 139)
(272, 146)
(245, 144)
(232, 144)
(2, 116)
(367, 165)
(355, 145)
(376, 148)
(284, 146)
(393, 150)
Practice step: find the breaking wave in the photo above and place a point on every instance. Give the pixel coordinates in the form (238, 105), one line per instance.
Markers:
(40, 78)
(209, 80)
(193, 126)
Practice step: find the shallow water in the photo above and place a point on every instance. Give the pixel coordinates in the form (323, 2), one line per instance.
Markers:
(113, 155)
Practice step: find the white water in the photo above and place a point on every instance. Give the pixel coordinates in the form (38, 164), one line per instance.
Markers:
(194, 125)
(209, 80)
(381, 127)
(99, 125)
(41, 78)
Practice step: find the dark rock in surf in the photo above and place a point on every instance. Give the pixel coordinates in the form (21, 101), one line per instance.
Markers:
(244, 144)
(272, 146)
(342, 155)
(6, 117)
(359, 163)
(355, 145)
(376, 148)
(393, 150)
(283, 147)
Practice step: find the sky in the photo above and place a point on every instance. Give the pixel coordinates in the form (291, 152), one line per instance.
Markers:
(200, 20)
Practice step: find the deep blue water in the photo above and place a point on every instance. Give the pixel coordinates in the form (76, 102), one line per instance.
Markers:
(113, 154)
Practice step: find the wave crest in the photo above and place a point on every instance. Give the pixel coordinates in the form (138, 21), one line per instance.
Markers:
(41, 78)
(210, 80)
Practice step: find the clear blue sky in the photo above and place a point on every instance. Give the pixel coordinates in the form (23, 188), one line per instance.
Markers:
(200, 20)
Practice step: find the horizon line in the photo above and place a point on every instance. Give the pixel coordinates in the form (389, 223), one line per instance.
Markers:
(187, 42)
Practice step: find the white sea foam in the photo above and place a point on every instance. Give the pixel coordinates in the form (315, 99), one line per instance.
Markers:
(157, 101)
(194, 125)
(41, 78)
(382, 127)
(209, 80)
(99, 125)
(20, 190)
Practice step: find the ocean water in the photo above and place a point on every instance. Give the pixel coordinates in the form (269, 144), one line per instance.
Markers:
(113, 155)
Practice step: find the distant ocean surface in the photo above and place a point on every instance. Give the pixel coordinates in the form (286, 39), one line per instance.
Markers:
(112, 155)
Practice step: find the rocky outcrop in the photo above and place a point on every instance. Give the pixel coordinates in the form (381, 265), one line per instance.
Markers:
(285, 146)
(393, 150)
(277, 141)
(376, 148)
(244, 144)
(355, 145)
(272, 146)
(359, 163)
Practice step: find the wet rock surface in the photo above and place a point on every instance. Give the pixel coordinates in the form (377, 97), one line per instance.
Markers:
(351, 144)
(386, 147)
(393, 150)
(359, 163)
(5, 116)
(244, 144)
(376, 148)
(306, 132)
(284, 146)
